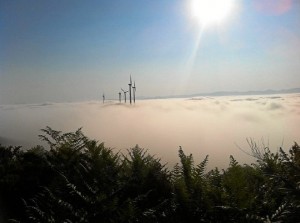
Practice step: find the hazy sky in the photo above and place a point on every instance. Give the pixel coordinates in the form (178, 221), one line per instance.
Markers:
(73, 50)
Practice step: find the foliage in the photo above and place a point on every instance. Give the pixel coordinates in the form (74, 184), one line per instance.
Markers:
(189, 185)
(80, 180)
(282, 184)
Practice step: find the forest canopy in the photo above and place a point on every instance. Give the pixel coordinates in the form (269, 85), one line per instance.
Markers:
(78, 179)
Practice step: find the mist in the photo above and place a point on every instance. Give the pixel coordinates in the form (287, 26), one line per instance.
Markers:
(214, 126)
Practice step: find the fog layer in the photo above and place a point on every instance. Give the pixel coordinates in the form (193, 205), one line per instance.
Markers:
(215, 126)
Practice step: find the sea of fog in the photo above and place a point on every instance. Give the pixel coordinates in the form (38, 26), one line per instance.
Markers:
(217, 126)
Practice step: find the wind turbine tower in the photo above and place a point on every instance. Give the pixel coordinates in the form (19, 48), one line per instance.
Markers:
(133, 91)
(124, 94)
(130, 83)
(120, 97)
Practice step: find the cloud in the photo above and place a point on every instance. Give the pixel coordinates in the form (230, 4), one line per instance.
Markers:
(275, 106)
(245, 99)
(252, 118)
(204, 126)
(274, 97)
(43, 104)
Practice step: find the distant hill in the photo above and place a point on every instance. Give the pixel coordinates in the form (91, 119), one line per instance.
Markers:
(12, 142)
(231, 93)
(284, 91)
(5, 141)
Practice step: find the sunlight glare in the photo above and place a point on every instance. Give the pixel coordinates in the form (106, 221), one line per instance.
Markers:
(208, 12)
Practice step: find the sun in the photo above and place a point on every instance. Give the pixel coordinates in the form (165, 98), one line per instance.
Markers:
(208, 12)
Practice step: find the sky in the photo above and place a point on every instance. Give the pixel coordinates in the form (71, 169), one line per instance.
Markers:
(214, 126)
(74, 50)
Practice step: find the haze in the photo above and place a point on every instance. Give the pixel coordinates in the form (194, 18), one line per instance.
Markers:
(215, 126)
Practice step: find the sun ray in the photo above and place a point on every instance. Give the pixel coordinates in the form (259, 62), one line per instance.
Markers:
(208, 13)
(194, 53)
(191, 59)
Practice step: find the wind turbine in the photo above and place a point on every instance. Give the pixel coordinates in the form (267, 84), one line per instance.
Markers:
(130, 83)
(120, 97)
(133, 90)
(124, 94)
